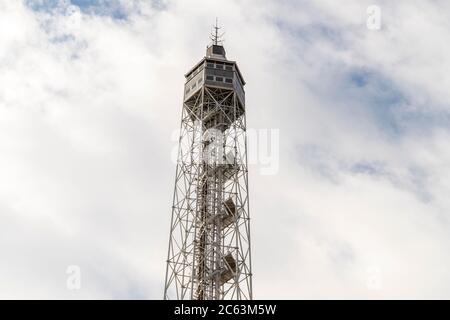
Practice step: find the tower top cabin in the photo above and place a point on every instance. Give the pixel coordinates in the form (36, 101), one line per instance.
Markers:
(215, 71)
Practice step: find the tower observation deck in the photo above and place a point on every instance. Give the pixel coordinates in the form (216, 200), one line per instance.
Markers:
(209, 255)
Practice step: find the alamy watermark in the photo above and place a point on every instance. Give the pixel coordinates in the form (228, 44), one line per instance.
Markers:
(373, 21)
(212, 146)
(374, 278)
(73, 281)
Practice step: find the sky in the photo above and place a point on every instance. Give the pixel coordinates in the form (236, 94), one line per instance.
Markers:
(90, 103)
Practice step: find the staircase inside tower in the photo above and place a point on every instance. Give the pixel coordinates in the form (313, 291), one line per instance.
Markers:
(217, 212)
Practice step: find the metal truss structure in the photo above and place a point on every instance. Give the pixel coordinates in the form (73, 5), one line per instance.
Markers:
(209, 256)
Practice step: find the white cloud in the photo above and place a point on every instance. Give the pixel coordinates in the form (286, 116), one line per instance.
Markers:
(88, 103)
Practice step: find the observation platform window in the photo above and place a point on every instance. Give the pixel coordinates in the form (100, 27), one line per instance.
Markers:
(210, 78)
(220, 79)
(228, 80)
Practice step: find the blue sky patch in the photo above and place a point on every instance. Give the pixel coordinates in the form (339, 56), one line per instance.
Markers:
(112, 8)
(373, 92)
(369, 168)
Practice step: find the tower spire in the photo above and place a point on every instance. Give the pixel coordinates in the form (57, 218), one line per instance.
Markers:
(216, 37)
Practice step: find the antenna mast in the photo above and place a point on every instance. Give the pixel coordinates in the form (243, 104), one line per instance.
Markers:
(215, 36)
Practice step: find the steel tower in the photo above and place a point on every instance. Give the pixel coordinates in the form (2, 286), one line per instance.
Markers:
(209, 255)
